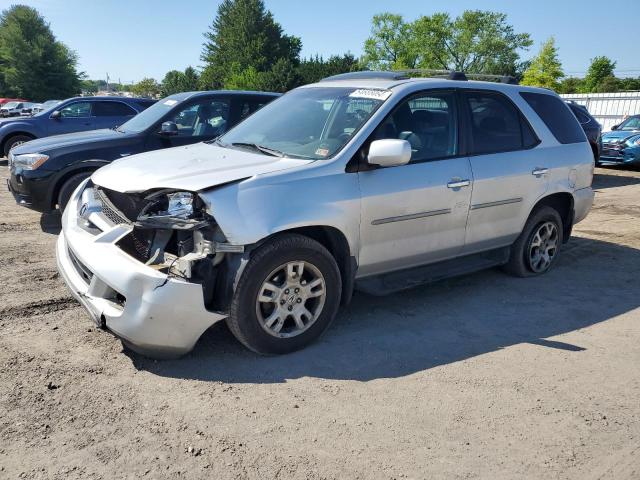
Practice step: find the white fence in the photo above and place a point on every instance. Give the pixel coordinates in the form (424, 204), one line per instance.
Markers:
(608, 108)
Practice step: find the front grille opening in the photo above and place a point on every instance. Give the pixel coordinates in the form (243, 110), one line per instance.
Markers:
(80, 267)
(138, 244)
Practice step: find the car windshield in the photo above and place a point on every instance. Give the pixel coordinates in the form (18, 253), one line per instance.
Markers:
(149, 116)
(632, 123)
(313, 123)
(11, 105)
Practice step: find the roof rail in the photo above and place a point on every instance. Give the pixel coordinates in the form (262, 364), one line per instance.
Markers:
(417, 72)
(367, 75)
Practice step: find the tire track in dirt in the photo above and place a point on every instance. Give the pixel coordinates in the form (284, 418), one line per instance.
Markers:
(38, 308)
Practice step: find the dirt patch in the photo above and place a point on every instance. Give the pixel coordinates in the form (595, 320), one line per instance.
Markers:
(483, 376)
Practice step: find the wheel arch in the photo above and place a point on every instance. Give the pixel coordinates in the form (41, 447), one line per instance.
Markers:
(84, 167)
(563, 203)
(337, 244)
(14, 133)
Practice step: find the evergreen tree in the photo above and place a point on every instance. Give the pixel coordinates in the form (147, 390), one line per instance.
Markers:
(33, 64)
(545, 69)
(244, 38)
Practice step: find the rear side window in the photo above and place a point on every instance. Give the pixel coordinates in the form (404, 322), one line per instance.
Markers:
(496, 124)
(556, 116)
(582, 117)
(112, 109)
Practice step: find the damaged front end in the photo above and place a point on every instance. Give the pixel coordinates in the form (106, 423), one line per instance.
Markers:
(172, 233)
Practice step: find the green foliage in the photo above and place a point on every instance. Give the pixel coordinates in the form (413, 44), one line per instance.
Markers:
(176, 81)
(570, 85)
(475, 42)
(545, 69)
(33, 64)
(600, 69)
(244, 44)
(316, 68)
(147, 87)
(391, 45)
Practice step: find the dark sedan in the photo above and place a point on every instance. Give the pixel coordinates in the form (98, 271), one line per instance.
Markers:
(45, 172)
(591, 128)
(72, 115)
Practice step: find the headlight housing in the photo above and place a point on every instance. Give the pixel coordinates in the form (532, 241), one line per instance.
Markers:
(29, 161)
(172, 210)
(634, 141)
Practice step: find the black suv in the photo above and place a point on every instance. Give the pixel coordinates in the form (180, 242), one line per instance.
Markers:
(44, 172)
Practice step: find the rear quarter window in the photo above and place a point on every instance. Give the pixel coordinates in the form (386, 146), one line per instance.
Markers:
(557, 117)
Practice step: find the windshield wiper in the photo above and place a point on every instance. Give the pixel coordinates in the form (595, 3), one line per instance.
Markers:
(261, 148)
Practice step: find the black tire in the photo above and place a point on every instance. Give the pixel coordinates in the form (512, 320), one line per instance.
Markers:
(243, 319)
(15, 141)
(520, 263)
(68, 187)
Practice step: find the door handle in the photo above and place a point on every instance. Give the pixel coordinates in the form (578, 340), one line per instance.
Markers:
(458, 183)
(540, 171)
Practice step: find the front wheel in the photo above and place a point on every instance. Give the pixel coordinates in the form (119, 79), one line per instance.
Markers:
(287, 297)
(538, 246)
(68, 187)
(14, 142)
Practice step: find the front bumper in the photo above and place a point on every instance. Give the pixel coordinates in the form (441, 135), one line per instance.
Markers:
(152, 313)
(31, 188)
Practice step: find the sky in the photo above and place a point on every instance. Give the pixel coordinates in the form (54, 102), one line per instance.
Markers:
(133, 39)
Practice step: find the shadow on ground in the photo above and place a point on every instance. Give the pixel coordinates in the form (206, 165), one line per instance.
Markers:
(603, 180)
(437, 324)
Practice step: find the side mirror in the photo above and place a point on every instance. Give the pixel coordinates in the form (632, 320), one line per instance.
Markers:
(55, 114)
(169, 129)
(389, 153)
(615, 127)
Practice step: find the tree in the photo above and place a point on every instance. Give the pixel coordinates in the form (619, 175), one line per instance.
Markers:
(316, 68)
(600, 68)
(244, 37)
(570, 85)
(545, 69)
(475, 42)
(190, 79)
(147, 87)
(172, 83)
(33, 64)
(390, 46)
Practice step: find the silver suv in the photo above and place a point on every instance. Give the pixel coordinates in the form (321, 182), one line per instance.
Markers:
(369, 181)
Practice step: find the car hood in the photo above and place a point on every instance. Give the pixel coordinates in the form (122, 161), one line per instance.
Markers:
(45, 144)
(193, 168)
(619, 135)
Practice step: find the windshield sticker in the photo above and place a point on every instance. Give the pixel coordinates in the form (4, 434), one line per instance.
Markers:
(381, 95)
(323, 152)
(170, 102)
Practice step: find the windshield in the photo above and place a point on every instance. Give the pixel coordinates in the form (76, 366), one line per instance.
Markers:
(11, 105)
(150, 116)
(632, 123)
(312, 123)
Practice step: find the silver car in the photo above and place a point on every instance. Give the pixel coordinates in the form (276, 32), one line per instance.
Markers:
(370, 181)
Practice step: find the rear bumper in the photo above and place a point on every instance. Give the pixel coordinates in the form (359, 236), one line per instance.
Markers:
(152, 313)
(582, 202)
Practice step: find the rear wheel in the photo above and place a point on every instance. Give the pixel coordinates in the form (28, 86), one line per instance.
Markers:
(538, 246)
(14, 142)
(67, 188)
(288, 295)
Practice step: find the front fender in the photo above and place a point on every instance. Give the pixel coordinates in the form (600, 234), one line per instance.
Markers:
(9, 128)
(254, 209)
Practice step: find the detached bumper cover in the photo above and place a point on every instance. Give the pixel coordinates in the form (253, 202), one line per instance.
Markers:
(153, 313)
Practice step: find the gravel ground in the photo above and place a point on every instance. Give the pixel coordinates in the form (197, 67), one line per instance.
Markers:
(483, 376)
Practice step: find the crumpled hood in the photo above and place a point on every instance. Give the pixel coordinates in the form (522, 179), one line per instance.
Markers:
(615, 136)
(46, 144)
(193, 168)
